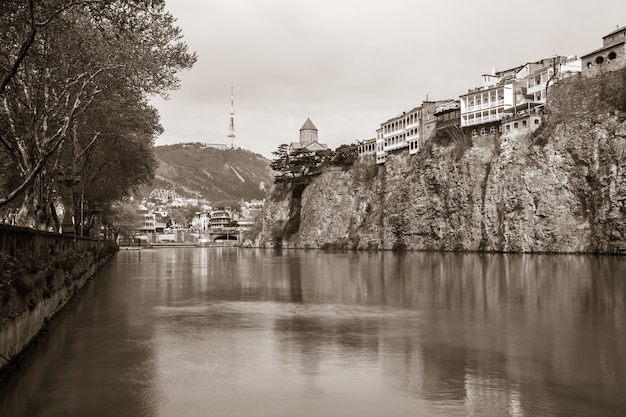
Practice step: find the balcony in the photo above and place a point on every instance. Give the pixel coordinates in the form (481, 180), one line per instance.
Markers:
(481, 119)
(485, 106)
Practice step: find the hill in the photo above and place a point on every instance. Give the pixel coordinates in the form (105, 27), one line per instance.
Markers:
(198, 170)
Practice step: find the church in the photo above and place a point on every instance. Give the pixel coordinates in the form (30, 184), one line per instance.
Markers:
(308, 139)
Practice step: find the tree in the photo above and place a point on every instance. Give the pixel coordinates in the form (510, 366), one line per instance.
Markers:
(299, 165)
(120, 160)
(124, 219)
(63, 60)
(346, 155)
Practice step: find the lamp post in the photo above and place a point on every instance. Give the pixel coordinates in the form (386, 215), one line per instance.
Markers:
(97, 216)
(67, 183)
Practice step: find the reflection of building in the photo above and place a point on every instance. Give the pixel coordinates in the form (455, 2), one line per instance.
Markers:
(491, 396)
(611, 57)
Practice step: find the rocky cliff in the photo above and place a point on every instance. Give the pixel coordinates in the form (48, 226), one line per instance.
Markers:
(561, 188)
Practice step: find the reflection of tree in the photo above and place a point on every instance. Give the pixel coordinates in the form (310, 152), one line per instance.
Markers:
(295, 280)
(303, 339)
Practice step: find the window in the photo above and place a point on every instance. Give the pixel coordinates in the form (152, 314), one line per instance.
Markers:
(524, 123)
(515, 125)
(474, 133)
(493, 129)
(508, 127)
(612, 55)
(599, 60)
(483, 131)
(536, 121)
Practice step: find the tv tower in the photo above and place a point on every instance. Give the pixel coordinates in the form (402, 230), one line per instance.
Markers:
(231, 126)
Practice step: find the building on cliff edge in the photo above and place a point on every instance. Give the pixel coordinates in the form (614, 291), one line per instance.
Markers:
(308, 139)
(611, 57)
(507, 101)
(410, 129)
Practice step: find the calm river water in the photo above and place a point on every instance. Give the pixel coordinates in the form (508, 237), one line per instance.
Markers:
(246, 332)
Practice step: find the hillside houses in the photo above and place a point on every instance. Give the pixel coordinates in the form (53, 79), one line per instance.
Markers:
(506, 101)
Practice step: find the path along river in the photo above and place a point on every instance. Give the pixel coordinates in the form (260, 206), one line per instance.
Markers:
(248, 332)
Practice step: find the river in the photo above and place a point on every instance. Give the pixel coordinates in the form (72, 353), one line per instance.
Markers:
(248, 332)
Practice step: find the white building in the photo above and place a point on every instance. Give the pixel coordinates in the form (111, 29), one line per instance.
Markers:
(148, 219)
(505, 93)
(409, 130)
(366, 148)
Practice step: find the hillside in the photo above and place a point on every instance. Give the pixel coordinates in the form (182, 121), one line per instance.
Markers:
(194, 169)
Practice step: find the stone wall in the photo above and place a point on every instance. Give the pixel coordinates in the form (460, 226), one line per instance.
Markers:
(21, 324)
(576, 97)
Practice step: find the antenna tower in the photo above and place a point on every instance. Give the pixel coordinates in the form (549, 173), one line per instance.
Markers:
(231, 126)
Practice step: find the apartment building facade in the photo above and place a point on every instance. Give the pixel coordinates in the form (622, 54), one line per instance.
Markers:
(504, 94)
(410, 129)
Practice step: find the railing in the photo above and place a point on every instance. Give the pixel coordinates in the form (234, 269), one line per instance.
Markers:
(21, 241)
(479, 120)
(485, 106)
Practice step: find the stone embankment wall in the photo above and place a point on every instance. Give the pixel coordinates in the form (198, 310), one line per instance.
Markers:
(560, 189)
(41, 295)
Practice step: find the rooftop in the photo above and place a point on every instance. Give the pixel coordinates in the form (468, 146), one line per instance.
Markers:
(615, 31)
(308, 125)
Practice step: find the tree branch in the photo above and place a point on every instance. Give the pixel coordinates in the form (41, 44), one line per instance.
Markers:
(23, 50)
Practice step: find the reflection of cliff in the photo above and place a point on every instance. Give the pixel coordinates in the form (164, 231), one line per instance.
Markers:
(494, 331)
(560, 189)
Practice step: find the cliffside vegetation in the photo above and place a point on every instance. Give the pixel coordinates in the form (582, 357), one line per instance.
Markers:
(294, 171)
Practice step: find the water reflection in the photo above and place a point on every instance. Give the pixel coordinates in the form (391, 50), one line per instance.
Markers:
(257, 332)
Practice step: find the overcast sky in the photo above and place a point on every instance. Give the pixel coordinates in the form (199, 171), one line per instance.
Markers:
(350, 65)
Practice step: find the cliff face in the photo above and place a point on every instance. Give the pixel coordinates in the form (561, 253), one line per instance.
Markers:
(560, 189)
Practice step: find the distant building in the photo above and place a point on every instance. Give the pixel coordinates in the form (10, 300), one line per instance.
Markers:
(401, 131)
(611, 57)
(221, 146)
(410, 129)
(251, 209)
(148, 220)
(308, 139)
(221, 218)
(366, 148)
(164, 195)
(202, 220)
(448, 117)
(523, 121)
(505, 93)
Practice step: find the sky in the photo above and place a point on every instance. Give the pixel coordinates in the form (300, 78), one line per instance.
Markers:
(350, 65)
